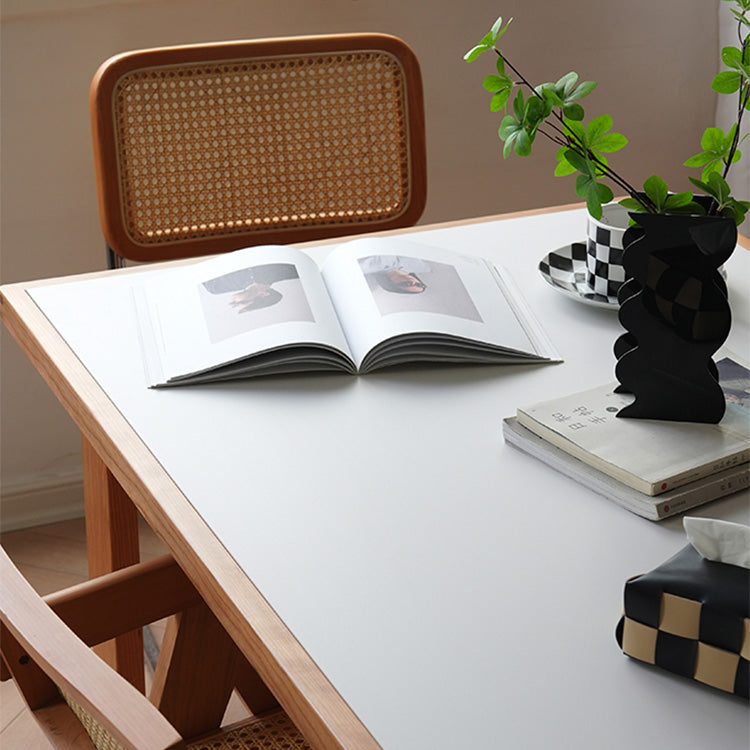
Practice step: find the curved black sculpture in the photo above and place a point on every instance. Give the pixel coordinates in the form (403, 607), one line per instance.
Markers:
(675, 311)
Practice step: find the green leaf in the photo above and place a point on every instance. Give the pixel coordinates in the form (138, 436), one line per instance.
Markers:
(566, 84)
(610, 142)
(550, 96)
(508, 147)
(716, 165)
(534, 112)
(601, 161)
(518, 106)
(573, 111)
(727, 82)
(731, 57)
(598, 127)
(582, 164)
(604, 192)
(564, 167)
(713, 139)
(734, 210)
(729, 137)
(656, 189)
(474, 52)
(581, 90)
(500, 65)
(583, 183)
(698, 160)
(523, 143)
(496, 27)
(695, 208)
(678, 200)
(594, 203)
(705, 187)
(578, 131)
(493, 83)
(499, 100)
(508, 126)
(632, 204)
(719, 187)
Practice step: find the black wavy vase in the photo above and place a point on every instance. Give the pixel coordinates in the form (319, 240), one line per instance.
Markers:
(676, 314)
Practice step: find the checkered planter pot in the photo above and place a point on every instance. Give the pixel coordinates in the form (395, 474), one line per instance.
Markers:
(604, 261)
(690, 616)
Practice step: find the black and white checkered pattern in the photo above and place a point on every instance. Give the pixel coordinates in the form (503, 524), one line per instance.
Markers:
(690, 616)
(565, 269)
(605, 272)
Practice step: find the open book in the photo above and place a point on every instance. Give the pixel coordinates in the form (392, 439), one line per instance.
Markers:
(376, 302)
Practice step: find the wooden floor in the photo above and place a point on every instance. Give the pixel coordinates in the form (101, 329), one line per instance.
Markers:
(53, 557)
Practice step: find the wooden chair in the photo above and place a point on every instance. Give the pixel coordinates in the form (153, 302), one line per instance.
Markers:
(79, 701)
(206, 148)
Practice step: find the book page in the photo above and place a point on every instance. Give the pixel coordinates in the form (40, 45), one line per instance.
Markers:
(200, 316)
(384, 288)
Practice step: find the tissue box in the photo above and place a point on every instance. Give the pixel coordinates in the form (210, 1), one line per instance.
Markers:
(691, 616)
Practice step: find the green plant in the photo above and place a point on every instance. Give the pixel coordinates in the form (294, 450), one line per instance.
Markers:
(554, 111)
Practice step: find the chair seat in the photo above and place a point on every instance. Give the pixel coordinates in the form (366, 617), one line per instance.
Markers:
(272, 731)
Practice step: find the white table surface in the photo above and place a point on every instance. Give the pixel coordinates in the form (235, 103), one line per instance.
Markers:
(457, 593)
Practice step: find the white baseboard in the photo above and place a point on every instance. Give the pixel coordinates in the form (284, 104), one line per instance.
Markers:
(39, 503)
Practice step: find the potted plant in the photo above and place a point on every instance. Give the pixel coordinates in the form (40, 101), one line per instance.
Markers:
(554, 111)
(673, 302)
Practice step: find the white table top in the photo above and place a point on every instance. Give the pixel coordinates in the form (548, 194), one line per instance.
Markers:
(456, 592)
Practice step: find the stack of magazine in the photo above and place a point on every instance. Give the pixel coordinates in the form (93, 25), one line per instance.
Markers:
(653, 468)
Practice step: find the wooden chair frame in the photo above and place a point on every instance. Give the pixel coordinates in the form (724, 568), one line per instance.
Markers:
(45, 648)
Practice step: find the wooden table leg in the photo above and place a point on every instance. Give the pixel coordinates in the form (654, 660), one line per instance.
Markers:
(112, 543)
(195, 673)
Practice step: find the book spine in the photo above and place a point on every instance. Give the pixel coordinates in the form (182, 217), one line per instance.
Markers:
(726, 483)
(699, 472)
(645, 486)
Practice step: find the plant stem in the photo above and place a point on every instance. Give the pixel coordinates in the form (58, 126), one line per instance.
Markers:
(569, 139)
(742, 99)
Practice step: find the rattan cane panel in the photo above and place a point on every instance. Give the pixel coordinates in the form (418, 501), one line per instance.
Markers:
(100, 737)
(270, 732)
(225, 148)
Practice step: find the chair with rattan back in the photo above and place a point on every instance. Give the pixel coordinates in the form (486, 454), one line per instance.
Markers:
(79, 701)
(206, 148)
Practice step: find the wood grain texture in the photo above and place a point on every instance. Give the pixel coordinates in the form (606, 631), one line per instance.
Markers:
(196, 652)
(31, 628)
(112, 541)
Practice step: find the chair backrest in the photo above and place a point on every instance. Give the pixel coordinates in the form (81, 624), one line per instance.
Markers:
(206, 148)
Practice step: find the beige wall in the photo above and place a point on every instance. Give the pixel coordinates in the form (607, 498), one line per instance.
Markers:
(654, 62)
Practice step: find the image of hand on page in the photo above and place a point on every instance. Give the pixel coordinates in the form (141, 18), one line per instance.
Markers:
(251, 298)
(401, 283)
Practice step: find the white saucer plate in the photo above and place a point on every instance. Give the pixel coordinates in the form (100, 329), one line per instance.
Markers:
(565, 270)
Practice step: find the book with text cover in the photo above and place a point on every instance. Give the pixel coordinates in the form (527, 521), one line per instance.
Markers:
(654, 507)
(651, 456)
(374, 303)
